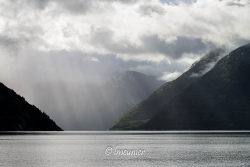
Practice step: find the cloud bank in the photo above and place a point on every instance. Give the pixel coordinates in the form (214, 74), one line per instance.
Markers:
(139, 31)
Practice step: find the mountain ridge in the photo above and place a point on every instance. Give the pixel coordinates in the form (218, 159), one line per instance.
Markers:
(16, 114)
(218, 101)
(145, 110)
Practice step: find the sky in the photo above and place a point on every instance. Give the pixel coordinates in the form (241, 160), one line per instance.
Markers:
(83, 41)
(54, 38)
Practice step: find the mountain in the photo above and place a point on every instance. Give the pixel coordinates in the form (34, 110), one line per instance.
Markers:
(219, 100)
(18, 115)
(134, 86)
(148, 108)
(93, 106)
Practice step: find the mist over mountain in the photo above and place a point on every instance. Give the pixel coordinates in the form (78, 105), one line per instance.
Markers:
(16, 114)
(148, 108)
(93, 105)
(219, 100)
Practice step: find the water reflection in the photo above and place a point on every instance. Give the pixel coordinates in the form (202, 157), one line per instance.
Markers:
(88, 149)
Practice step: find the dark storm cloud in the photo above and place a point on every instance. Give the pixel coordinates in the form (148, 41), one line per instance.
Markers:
(235, 4)
(176, 48)
(9, 44)
(150, 44)
(39, 4)
(6, 41)
(75, 6)
(149, 10)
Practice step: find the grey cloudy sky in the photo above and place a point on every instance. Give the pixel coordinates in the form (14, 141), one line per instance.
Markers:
(60, 39)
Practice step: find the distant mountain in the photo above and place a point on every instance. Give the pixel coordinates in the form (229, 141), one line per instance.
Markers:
(134, 86)
(18, 115)
(148, 108)
(220, 100)
(93, 106)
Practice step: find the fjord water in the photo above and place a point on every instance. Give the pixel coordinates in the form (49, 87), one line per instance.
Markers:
(73, 149)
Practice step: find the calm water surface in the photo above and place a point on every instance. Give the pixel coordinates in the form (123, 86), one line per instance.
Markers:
(73, 149)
